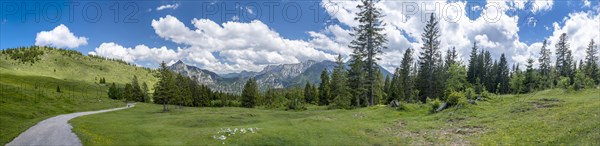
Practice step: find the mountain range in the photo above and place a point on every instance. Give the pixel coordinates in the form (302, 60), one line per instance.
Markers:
(273, 76)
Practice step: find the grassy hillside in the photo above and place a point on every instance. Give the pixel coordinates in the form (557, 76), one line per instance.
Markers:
(28, 90)
(546, 117)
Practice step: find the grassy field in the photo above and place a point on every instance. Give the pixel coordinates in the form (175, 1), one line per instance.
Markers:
(28, 91)
(546, 117)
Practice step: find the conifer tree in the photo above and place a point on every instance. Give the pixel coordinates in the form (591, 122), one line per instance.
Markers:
(324, 91)
(530, 77)
(502, 77)
(563, 57)
(592, 68)
(370, 40)
(164, 89)
(545, 66)
(429, 61)
(339, 88)
(356, 79)
(250, 93)
(308, 93)
(472, 68)
(137, 94)
(405, 84)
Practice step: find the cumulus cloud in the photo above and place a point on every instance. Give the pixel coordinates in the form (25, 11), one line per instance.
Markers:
(239, 46)
(168, 6)
(137, 54)
(60, 37)
(541, 5)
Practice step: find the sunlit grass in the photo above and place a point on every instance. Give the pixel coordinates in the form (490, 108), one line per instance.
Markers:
(547, 117)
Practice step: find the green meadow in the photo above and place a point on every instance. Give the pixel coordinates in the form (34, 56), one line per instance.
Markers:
(28, 91)
(550, 117)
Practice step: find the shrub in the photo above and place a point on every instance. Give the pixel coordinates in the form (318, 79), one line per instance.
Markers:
(456, 98)
(564, 82)
(435, 104)
(470, 94)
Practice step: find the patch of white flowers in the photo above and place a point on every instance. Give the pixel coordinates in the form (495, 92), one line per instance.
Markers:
(224, 133)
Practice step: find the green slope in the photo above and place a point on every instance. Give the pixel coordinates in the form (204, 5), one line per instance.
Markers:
(28, 90)
(548, 117)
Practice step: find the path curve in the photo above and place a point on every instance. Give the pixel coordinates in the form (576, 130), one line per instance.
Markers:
(55, 130)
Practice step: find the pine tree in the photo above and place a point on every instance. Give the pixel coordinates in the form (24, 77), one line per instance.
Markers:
(339, 88)
(128, 92)
(356, 79)
(517, 80)
(502, 77)
(530, 77)
(164, 89)
(113, 91)
(370, 39)
(405, 84)
(545, 67)
(250, 93)
(324, 91)
(592, 70)
(429, 60)
(58, 89)
(472, 68)
(137, 93)
(451, 57)
(386, 88)
(145, 96)
(378, 91)
(563, 57)
(308, 93)
(487, 77)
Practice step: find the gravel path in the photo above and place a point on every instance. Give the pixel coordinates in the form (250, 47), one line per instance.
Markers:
(55, 130)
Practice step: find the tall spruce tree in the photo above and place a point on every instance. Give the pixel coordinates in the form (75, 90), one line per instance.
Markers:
(370, 40)
(137, 93)
(451, 57)
(164, 89)
(250, 93)
(339, 88)
(324, 91)
(356, 78)
(502, 77)
(145, 96)
(592, 70)
(472, 68)
(530, 76)
(429, 61)
(308, 93)
(405, 84)
(545, 66)
(563, 57)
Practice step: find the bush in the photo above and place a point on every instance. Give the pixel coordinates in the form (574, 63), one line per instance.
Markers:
(296, 105)
(470, 94)
(456, 98)
(564, 82)
(435, 104)
(340, 103)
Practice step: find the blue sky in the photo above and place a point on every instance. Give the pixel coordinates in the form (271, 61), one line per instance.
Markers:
(231, 36)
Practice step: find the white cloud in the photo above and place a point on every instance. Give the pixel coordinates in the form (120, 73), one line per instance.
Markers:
(60, 37)
(169, 6)
(138, 54)
(587, 3)
(541, 5)
(240, 46)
